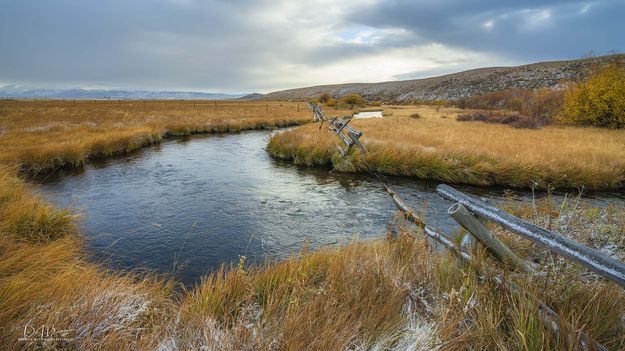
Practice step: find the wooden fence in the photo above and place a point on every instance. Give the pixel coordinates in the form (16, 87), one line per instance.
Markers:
(594, 260)
(470, 214)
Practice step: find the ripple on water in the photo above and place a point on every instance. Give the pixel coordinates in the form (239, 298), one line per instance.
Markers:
(203, 201)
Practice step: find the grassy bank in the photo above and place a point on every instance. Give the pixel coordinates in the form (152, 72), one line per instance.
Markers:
(428, 142)
(44, 135)
(388, 293)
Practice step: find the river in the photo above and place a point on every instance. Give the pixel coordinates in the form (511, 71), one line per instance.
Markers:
(188, 205)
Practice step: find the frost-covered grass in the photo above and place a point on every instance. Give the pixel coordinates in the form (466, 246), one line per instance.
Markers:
(393, 293)
(437, 146)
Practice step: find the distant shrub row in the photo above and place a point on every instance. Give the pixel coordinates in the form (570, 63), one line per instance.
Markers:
(533, 108)
(599, 100)
(513, 119)
(350, 100)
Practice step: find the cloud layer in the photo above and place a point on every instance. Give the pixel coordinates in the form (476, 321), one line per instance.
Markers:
(244, 45)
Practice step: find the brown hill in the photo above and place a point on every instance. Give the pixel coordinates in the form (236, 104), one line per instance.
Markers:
(455, 85)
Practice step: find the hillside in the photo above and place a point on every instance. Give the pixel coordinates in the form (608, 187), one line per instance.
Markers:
(456, 85)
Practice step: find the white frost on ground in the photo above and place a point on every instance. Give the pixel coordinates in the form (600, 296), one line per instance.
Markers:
(417, 335)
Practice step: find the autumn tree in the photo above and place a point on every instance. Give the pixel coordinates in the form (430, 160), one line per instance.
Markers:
(599, 100)
(354, 100)
(324, 97)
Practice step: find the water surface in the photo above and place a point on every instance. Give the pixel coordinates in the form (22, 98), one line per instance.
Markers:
(188, 206)
(368, 114)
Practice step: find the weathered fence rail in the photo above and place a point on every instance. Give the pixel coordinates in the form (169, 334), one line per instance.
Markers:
(468, 212)
(341, 127)
(594, 260)
(548, 316)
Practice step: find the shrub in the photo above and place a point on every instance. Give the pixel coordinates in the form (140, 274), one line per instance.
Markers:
(415, 115)
(513, 119)
(324, 97)
(332, 102)
(353, 100)
(535, 107)
(543, 106)
(599, 100)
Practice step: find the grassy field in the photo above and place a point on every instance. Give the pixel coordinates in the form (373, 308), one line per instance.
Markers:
(388, 293)
(437, 146)
(44, 135)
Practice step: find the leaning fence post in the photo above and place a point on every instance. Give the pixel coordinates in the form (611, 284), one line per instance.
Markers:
(473, 225)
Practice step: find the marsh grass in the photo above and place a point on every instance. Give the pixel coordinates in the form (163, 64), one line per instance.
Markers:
(443, 149)
(43, 135)
(376, 294)
(398, 292)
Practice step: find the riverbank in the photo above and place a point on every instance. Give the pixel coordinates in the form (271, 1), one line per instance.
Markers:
(40, 136)
(386, 293)
(427, 142)
(393, 292)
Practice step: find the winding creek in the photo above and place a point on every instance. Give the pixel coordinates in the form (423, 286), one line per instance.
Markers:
(187, 206)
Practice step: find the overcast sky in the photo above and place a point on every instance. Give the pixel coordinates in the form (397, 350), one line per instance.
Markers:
(247, 46)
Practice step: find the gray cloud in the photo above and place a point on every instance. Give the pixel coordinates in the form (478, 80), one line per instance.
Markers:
(522, 30)
(244, 45)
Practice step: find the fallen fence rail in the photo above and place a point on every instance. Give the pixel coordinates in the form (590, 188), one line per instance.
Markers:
(464, 211)
(594, 260)
(547, 315)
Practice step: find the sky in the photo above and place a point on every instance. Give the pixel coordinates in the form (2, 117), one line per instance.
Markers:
(239, 46)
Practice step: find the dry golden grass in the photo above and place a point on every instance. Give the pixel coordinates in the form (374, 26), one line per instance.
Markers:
(388, 293)
(382, 294)
(43, 135)
(438, 147)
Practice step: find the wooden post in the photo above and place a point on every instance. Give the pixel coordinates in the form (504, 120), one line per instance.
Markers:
(549, 318)
(461, 215)
(298, 107)
(594, 260)
(267, 107)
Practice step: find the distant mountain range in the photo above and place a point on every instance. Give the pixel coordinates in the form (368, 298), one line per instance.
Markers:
(12, 91)
(456, 85)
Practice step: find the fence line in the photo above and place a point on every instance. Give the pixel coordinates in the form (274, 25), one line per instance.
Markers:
(460, 211)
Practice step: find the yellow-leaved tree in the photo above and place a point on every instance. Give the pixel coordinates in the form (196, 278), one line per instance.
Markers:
(599, 100)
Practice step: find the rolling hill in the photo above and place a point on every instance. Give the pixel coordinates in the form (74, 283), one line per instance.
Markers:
(455, 85)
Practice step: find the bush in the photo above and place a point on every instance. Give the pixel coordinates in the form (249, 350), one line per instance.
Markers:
(332, 102)
(599, 100)
(513, 119)
(324, 97)
(354, 100)
(537, 107)
(543, 106)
